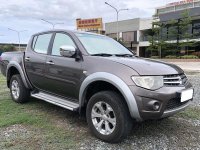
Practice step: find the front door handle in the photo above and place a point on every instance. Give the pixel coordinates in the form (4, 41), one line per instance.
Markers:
(50, 62)
(27, 58)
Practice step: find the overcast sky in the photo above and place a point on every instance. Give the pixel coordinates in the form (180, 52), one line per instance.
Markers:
(27, 14)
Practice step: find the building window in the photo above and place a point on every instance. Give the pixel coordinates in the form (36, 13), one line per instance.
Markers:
(196, 29)
(184, 6)
(197, 4)
(166, 10)
(144, 35)
(128, 36)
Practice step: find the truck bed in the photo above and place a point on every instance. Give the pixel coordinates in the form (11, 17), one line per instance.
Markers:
(7, 57)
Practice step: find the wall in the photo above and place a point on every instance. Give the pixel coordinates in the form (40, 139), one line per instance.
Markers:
(123, 26)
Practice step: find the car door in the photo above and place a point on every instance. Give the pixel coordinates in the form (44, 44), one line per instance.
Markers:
(63, 73)
(35, 59)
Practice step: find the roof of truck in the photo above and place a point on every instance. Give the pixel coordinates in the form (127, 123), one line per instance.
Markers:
(68, 31)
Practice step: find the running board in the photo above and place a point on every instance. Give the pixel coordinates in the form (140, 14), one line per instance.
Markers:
(56, 101)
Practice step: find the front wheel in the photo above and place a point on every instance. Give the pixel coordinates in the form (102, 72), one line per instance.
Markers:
(108, 117)
(19, 92)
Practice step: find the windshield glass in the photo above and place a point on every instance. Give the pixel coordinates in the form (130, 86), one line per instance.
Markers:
(96, 44)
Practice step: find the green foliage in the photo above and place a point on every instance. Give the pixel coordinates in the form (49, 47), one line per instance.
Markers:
(155, 57)
(121, 41)
(7, 48)
(173, 30)
(196, 54)
(170, 57)
(189, 57)
(40, 119)
(184, 26)
(190, 113)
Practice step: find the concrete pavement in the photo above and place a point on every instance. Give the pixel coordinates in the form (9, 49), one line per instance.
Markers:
(189, 66)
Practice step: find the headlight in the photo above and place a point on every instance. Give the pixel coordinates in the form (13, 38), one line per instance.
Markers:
(148, 82)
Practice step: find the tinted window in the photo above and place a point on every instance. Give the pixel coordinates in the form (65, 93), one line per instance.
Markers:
(42, 43)
(61, 40)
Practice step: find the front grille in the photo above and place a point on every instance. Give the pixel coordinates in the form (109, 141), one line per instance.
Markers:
(174, 103)
(175, 80)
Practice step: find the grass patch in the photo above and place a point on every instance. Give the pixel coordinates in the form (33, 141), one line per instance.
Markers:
(190, 113)
(35, 115)
(52, 127)
(12, 114)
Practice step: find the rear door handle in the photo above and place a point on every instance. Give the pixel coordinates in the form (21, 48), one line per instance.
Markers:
(50, 62)
(27, 58)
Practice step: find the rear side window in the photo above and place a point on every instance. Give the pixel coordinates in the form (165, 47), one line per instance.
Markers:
(42, 43)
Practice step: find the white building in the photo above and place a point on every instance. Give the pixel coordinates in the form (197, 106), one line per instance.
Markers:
(132, 32)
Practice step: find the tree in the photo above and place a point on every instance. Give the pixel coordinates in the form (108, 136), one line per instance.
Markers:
(157, 38)
(185, 26)
(7, 48)
(172, 34)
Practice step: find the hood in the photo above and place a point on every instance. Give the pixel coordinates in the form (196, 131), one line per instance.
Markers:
(147, 66)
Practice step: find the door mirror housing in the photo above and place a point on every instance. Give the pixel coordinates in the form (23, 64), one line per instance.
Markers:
(67, 50)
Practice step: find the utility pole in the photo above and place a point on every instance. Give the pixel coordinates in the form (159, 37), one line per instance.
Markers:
(117, 11)
(52, 23)
(18, 34)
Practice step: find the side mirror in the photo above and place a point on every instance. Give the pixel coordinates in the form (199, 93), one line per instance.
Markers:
(67, 50)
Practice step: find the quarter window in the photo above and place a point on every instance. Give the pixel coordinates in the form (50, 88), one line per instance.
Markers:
(42, 43)
(33, 43)
(61, 40)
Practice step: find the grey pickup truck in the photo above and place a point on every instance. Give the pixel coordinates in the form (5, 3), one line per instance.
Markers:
(95, 75)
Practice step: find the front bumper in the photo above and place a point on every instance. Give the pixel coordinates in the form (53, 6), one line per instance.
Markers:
(167, 96)
(172, 112)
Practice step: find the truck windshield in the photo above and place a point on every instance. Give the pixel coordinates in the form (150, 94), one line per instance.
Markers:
(97, 44)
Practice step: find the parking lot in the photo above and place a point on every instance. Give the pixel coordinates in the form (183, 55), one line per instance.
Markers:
(39, 125)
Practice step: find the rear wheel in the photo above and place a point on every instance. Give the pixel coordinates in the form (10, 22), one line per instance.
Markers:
(19, 92)
(108, 116)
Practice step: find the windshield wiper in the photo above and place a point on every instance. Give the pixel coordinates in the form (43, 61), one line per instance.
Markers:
(124, 55)
(102, 54)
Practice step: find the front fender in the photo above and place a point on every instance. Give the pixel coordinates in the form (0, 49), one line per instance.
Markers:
(118, 83)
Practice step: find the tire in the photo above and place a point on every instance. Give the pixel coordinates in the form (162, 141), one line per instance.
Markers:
(18, 91)
(117, 113)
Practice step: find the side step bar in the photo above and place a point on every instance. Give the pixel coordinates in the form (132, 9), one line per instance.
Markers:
(56, 101)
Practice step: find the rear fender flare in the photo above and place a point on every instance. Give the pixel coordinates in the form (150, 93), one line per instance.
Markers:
(18, 67)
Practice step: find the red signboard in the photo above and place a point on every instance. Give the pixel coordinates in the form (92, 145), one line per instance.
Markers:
(180, 2)
(95, 23)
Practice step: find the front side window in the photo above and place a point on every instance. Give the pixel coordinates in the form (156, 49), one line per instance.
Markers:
(42, 43)
(61, 40)
(97, 44)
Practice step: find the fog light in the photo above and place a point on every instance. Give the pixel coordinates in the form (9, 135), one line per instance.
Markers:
(154, 105)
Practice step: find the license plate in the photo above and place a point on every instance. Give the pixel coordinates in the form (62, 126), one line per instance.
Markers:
(186, 95)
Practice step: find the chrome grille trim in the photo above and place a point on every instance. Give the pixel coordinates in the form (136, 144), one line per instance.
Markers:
(175, 80)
